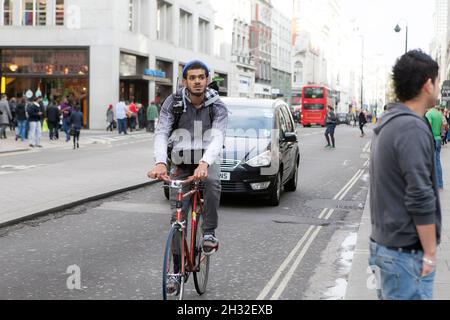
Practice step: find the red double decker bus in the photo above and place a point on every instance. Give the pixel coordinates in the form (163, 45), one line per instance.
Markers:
(315, 100)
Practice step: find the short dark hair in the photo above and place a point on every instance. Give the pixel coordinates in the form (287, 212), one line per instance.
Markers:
(411, 72)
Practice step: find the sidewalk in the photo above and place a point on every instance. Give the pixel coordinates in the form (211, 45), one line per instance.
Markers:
(360, 276)
(73, 181)
(87, 137)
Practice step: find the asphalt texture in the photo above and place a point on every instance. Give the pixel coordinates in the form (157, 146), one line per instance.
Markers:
(117, 243)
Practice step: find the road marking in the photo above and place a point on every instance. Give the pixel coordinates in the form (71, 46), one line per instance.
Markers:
(307, 239)
(347, 185)
(291, 271)
(283, 266)
(346, 163)
(367, 147)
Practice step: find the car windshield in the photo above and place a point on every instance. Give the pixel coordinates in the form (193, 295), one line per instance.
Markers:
(249, 122)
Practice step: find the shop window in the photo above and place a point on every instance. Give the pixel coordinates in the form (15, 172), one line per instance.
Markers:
(34, 12)
(7, 12)
(59, 13)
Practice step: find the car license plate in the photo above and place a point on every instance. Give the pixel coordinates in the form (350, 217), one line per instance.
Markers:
(225, 176)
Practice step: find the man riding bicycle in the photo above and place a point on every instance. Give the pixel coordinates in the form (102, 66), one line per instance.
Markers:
(192, 124)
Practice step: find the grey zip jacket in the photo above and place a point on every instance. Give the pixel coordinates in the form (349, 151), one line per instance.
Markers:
(195, 131)
(403, 184)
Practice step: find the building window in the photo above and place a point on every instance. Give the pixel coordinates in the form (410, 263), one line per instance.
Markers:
(164, 21)
(185, 29)
(7, 12)
(203, 39)
(34, 12)
(59, 13)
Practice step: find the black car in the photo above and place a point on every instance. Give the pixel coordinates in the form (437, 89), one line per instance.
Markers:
(261, 154)
(343, 118)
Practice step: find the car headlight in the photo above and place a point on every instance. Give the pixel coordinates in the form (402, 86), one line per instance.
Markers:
(262, 160)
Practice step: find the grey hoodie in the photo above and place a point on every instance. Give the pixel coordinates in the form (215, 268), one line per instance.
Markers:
(203, 135)
(403, 187)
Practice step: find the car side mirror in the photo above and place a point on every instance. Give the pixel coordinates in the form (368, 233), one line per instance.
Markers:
(290, 137)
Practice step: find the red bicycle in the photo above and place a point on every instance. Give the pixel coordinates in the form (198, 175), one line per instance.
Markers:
(183, 257)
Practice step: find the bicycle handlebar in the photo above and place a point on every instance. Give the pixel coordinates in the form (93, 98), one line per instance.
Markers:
(175, 183)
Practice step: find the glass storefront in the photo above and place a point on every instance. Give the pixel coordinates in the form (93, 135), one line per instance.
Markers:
(53, 73)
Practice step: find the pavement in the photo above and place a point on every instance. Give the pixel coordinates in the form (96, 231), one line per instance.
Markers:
(361, 285)
(56, 186)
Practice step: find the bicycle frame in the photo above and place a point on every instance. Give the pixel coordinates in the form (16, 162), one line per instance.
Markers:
(196, 202)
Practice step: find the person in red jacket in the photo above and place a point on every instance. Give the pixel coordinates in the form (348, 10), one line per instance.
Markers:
(133, 116)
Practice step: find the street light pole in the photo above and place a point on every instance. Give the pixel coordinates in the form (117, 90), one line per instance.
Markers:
(362, 71)
(399, 29)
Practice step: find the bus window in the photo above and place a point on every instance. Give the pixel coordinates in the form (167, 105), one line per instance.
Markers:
(313, 93)
(313, 106)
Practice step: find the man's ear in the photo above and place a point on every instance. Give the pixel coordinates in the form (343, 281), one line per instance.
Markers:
(184, 82)
(428, 86)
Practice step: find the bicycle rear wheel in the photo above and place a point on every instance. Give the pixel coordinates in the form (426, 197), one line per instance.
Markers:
(172, 265)
(202, 261)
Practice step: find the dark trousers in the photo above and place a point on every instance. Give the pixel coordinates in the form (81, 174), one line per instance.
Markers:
(329, 133)
(53, 129)
(110, 127)
(122, 123)
(151, 126)
(76, 138)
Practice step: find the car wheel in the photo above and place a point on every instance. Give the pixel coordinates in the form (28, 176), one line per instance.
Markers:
(274, 199)
(291, 185)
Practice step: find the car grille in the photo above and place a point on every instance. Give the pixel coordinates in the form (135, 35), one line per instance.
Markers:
(228, 186)
(229, 164)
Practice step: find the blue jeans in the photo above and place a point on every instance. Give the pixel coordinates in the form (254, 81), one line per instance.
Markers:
(122, 123)
(22, 129)
(438, 164)
(66, 128)
(399, 274)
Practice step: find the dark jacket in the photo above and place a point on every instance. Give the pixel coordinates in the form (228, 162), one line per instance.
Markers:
(53, 114)
(33, 109)
(331, 119)
(21, 112)
(403, 184)
(76, 120)
(362, 118)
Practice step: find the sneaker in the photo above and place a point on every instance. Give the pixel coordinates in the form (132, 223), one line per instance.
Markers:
(327, 146)
(39, 146)
(31, 146)
(210, 244)
(173, 285)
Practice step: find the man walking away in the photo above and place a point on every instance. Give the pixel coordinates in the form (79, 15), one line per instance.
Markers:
(152, 115)
(362, 122)
(331, 121)
(53, 116)
(434, 116)
(76, 123)
(5, 116)
(121, 115)
(404, 198)
(66, 110)
(34, 119)
(21, 114)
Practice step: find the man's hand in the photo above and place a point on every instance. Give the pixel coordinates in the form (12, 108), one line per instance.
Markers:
(429, 264)
(201, 173)
(158, 172)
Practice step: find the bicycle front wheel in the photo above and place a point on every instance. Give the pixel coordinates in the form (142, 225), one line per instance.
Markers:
(201, 261)
(172, 277)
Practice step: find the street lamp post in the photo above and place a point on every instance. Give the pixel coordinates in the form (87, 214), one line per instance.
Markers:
(399, 29)
(362, 71)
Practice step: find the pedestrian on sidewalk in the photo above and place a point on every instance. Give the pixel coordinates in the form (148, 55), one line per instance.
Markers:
(76, 123)
(152, 115)
(121, 115)
(141, 116)
(66, 110)
(5, 116)
(447, 117)
(13, 121)
(110, 118)
(21, 114)
(331, 121)
(34, 120)
(362, 122)
(133, 116)
(444, 130)
(434, 116)
(404, 197)
(53, 116)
